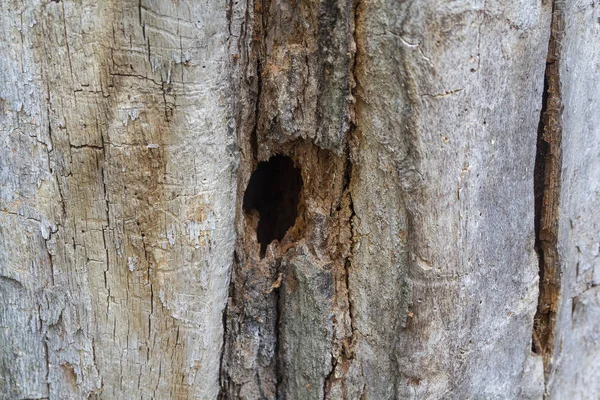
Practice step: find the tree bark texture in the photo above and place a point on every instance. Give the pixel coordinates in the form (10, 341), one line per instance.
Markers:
(311, 199)
(117, 176)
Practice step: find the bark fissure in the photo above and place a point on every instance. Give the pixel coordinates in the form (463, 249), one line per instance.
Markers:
(253, 134)
(345, 350)
(350, 140)
(279, 362)
(547, 175)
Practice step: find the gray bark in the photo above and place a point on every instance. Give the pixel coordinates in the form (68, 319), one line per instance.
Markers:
(449, 102)
(438, 168)
(117, 176)
(574, 368)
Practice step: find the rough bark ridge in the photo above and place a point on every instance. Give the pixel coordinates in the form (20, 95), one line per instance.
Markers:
(442, 127)
(117, 180)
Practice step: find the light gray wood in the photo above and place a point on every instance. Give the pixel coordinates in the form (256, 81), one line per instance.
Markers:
(117, 177)
(444, 278)
(575, 364)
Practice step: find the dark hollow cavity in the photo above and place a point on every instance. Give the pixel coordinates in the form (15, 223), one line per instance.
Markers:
(274, 191)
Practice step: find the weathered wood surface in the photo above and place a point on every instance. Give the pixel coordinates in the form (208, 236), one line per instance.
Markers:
(444, 276)
(117, 177)
(130, 265)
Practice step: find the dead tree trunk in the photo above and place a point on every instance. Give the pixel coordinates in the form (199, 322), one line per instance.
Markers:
(359, 199)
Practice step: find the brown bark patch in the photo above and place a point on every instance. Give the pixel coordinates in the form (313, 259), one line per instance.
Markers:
(547, 175)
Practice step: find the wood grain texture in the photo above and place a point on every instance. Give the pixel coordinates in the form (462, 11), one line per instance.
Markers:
(444, 274)
(117, 176)
(129, 132)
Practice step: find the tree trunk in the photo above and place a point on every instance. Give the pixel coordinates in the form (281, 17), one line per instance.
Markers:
(334, 199)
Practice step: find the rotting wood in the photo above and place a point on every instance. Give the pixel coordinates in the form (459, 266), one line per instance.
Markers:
(547, 186)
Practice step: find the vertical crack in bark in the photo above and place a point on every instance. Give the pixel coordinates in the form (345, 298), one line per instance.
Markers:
(254, 134)
(341, 365)
(350, 138)
(222, 382)
(279, 362)
(47, 359)
(245, 316)
(547, 192)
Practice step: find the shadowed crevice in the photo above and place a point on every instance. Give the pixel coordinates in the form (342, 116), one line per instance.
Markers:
(547, 179)
(274, 192)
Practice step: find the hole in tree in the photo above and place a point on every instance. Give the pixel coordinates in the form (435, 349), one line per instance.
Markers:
(274, 192)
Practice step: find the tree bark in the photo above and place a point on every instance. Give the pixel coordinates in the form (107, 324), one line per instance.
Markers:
(333, 199)
(118, 176)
